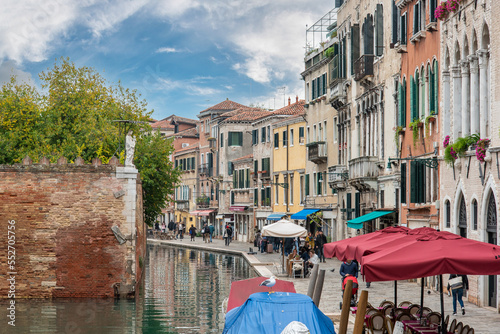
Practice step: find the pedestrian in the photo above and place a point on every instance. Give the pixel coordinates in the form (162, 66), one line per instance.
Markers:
(171, 226)
(177, 230)
(348, 268)
(313, 259)
(310, 240)
(181, 230)
(206, 233)
(320, 242)
(228, 232)
(192, 232)
(157, 226)
(163, 227)
(263, 244)
(457, 284)
(211, 228)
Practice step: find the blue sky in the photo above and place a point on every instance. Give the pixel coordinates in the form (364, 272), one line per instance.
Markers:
(182, 56)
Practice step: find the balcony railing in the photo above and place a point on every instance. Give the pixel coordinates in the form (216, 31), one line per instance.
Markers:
(363, 172)
(182, 205)
(363, 67)
(337, 176)
(317, 152)
(203, 202)
(203, 169)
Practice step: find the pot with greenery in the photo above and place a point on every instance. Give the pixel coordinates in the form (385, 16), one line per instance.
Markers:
(398, 130)
(417, 123)
(481, 146)
(428, 120)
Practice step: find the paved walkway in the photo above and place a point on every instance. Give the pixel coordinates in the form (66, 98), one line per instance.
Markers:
(483, 320)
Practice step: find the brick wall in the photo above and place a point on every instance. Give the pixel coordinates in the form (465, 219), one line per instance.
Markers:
(63, 217)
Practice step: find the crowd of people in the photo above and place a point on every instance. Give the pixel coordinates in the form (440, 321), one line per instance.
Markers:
(178, 229)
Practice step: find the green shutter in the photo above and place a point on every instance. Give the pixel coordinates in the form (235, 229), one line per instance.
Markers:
(255, 197)
(422, 178)
(400, 104)
(349, 204)
(247, 184)
(354, 45)
(413, 102)
(379, 29)
(268, 194)
(403, 183)
(221, 140)
(357, 203)
(234, 178)
(436, 88)
(276, 140)
(307, 185)
(404, 102)
(413, 182)
(255, 166)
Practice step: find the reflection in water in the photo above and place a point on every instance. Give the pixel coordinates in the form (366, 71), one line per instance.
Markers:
(182, 292)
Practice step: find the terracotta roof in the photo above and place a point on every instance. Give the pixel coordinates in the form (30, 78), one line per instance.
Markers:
(225, 105)
(250, 156)
(163, 124)
(190, 147)
(246, 114)
(188, 132)
(292, 109)
(179, 119)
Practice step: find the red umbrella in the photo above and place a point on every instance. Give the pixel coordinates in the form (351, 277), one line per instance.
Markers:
(241, 290)
(432, 254)
(346, 249)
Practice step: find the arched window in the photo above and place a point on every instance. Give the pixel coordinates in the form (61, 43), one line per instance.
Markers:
(474, 214)
(447, 213)
(462, 217)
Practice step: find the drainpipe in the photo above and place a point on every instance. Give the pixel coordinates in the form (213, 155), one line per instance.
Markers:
(287, 189)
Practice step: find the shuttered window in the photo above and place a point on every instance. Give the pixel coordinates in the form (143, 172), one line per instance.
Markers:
(432, 9)
(349, 206)
(403, 183)
(263, 135)
(417, 182)
(306, 190)
(368, 30)
(395, 23)
(247, 178)
(235, 139)
(403, 29)
(221, 140)
(436, 88)
(276, 140)
(357, 203)
(379, 30)
(254, 137)
(255, 166)
(354, 45)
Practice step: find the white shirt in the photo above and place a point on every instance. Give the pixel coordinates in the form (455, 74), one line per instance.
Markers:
(314, 259)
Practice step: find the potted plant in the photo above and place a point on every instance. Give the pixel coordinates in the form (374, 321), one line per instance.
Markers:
(481, 146)
(397, 131)
(429, 119)
(417, 122)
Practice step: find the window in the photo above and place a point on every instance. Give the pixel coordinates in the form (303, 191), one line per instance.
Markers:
(255, 197)
(301, 190)
(355, 45)
(379, 30)
(417, 182)
(395, 23)
(325, 132)
(432, 9)
(402, 104)
(403, 28)
(285, 138)
(254, 137)
(447, 213)
(276, 140)
(382, 199)
(255, 167)
(268, 139)
(221, 140)
(290, 188)
(417, 20)
(308, 135)
(230, 168)
(403, 183)
(235, 139)
(307, 185)
(276, 192)
(263, 135)
(266, 165)
(301, 135)
(368, 31)
(285, 190)
(319, 186)
(335, 129)
(247, 178)
(474, 214)
(291, 137)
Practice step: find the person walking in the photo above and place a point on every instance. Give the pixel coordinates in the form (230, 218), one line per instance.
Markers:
(181, 230)
(206, 233)
(457, 284)
(192, 232)
(171, 226)
(228, 234)
(211, 228)
(320, 242)
(347, 268)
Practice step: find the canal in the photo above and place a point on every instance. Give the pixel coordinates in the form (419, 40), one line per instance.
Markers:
(182, 292)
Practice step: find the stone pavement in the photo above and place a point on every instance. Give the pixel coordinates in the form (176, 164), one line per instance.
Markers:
(483, 320)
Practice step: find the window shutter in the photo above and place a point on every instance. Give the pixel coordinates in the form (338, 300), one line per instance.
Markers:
(404, 28)
(221, 140)
(255, 197)
(349, 204)
(247, 183)
(354, 45)
(403, 183)
(395, 19)
(379, 29)
(254, 137)
(301, 132)
(320, 86)
(436, 88)
(415, 19)
(404, 102)
(313, 96)
(307, 185)
(422, 178)
(240, 138)
(357, 200)
(268, 194)
(235, 179)
(400, 104)
(230, 168)
(413, 182)
(368, 35)
(276, 140)
(432, 9)
(413, 99)
(342, 57)
(255, 166)
(263, 135)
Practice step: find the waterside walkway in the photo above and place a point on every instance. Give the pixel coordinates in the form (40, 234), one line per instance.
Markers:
(483, 320)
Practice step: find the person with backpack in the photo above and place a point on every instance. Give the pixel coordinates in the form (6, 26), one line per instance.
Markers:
(457, 284)
(192, 232)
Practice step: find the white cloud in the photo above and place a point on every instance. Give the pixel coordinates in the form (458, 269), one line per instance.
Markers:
(9, 69)
(167, 50)
(190, 86)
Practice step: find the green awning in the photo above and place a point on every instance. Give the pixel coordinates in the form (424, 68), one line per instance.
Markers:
(357, 223)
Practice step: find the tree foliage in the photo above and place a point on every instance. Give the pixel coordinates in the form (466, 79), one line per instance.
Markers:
(75, 115)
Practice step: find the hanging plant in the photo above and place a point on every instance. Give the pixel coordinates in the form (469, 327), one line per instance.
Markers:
(397, 131)
(481, 146)
(429, 119)
(450, 155)
(417, 122)
(446, 141)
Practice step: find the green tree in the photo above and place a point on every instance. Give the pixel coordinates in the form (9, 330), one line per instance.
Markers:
(158, 175)
(76, 116)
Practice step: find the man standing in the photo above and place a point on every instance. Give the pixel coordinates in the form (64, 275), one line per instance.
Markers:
(206, 234)
(320, 242)
(211, 229)
(228, 233)
(192, 232)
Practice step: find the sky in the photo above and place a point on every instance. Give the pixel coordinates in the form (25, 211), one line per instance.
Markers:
(182, 56)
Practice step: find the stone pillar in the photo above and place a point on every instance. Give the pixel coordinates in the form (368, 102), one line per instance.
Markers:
(446, 103)
(464, 64)
(484, 109)
(457, 102)
(474, 94)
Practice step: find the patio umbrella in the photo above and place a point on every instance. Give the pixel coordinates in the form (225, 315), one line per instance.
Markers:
(434, 253)
(284, 229)
(241, 290)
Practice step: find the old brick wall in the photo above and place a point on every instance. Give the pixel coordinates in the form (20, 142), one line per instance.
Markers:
(64, 243)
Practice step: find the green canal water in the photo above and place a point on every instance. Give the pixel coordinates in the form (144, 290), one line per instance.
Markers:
(183, 292)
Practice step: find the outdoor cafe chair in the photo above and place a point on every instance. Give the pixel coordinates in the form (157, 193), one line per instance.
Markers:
(424, 311)
(389, 325)
(405, 304)
(446, 320)
(404, 316)
(371, 311)
(465, 330)
(386, 302)
(434, 318)
(413, 309)
(460, 325)
(453, 326)
(471, 331)
(376, 324)
(387, 310)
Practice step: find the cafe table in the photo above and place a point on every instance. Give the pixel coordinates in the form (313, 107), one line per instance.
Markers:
(415, 327)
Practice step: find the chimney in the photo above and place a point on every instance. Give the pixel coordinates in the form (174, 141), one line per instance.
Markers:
(289, 100)
(296, 98)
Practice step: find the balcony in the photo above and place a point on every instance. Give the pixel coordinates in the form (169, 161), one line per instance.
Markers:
(202, 202)
(363, 173)
(337, 177)
(317, 152)
(363, 67)
(204, 169)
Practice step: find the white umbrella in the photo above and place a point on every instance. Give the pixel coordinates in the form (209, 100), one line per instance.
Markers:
(284, 229)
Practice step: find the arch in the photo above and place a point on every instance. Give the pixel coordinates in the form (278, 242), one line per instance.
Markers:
(446, 59)
(465, 47)
(456, 206)
(485, 37)
(457, 56)
(474, 212)
(447, 213)
(474, 47)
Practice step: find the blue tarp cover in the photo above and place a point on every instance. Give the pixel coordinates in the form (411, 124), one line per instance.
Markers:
(275, 216)
(357, 223)
(266, 313)
(303, 214)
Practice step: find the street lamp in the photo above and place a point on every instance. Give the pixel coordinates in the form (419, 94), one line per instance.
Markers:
(428, 162)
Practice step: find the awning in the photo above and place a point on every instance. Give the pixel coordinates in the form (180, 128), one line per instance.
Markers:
(238, 208)
(275, 216)
(219, 217)
(303, 214)
(357, 223)
(201, 212)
